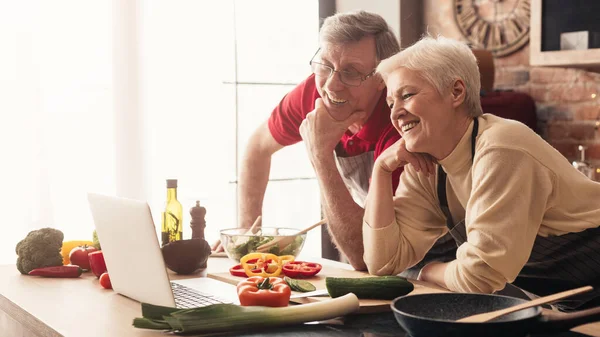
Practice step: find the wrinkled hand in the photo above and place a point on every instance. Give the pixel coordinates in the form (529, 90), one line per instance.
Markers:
(397, 156)
(433, 272)
(321, 133)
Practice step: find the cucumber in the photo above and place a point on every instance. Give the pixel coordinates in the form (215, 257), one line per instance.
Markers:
(378, 287)
(299, 285)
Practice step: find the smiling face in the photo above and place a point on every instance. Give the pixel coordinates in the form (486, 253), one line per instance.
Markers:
(342, 100)
(428, 122)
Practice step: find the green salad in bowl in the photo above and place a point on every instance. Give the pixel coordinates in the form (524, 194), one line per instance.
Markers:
(237, 243)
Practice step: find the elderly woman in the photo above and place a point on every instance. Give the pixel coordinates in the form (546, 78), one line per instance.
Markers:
(518, 211)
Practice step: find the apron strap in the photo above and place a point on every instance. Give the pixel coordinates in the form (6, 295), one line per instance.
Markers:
(441, 184)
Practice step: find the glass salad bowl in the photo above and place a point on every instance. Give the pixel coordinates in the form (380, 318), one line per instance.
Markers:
(237, 243)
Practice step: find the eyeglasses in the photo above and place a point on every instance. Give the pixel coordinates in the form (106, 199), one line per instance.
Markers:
(349, 77)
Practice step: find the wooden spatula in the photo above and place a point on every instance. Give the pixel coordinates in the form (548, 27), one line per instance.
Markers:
(250, 230)
(479, 318)
(284, 241)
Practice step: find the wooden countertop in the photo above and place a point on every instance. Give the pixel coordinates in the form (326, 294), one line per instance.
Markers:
(34, 306)
(52, 307)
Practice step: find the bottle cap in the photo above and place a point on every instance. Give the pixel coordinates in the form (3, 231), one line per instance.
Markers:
(171, 183)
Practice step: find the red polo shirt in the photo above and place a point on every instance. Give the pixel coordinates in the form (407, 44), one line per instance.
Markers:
(284, 124)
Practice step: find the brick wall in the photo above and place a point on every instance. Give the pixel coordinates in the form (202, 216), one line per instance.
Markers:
(567, 99)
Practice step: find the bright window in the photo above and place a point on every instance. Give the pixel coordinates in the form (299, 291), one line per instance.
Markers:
(198, 78)
(209, 79)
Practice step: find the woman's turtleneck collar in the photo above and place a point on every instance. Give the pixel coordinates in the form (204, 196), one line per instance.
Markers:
(461, 155)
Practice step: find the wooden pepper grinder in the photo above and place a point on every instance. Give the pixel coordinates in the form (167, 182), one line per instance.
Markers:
(198, 222)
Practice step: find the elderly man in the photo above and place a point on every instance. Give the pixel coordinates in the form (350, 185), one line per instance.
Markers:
(340, 113)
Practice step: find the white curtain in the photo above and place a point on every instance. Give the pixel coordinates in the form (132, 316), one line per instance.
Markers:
(57, 131)
(115, 97)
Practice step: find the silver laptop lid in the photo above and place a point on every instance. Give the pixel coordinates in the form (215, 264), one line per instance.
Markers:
(131, 249)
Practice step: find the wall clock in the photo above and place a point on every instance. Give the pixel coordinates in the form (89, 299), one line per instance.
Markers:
(500, 26)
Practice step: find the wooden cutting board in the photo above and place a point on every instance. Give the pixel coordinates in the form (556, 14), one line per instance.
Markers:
(366, 305)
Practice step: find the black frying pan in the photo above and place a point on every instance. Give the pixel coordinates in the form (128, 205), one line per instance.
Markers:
(430, 315)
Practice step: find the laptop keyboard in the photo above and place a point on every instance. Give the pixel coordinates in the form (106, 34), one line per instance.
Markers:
(186, 297)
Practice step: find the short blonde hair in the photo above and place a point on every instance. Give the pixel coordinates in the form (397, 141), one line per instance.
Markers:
(440, 61)
(353, 26)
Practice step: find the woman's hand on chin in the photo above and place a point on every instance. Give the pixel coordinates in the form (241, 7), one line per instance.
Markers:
(397, 156)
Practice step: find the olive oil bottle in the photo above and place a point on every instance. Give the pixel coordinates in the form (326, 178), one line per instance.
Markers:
(172, 217)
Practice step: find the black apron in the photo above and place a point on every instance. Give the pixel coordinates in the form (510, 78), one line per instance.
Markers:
(557, 263)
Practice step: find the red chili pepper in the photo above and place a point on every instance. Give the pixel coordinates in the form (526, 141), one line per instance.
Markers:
(97, 263)
(299, 269)
(58, 271)
(238, 270)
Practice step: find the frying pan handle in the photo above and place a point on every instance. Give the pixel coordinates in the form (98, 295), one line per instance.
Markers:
(563, 322)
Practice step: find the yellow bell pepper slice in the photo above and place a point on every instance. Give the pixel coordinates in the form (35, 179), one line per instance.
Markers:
(286, 258)
(262, 262)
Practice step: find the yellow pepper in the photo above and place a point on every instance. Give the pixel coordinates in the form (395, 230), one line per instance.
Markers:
(262, 262)
(286, 258)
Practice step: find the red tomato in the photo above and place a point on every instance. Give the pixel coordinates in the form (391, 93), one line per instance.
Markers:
(299, 269)
(79, 256)
(105, 281)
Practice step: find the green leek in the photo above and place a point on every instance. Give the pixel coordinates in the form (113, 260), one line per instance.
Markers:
(230, 317)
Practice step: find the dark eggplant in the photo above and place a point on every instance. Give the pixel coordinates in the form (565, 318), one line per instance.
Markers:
(186, 256)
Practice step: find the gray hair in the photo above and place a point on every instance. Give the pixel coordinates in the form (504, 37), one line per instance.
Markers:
(441, 61)
(353, 26)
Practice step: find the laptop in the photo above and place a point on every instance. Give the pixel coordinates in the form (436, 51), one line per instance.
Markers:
(134, 259)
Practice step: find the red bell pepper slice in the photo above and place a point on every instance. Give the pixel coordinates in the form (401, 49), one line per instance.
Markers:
(299, 269)
(238, 270)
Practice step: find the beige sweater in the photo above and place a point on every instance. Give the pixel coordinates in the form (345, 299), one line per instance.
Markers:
(517, 187)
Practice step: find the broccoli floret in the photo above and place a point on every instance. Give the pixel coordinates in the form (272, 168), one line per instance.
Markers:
(40, 248)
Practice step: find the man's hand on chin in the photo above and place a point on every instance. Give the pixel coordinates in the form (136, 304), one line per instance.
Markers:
(321, 133)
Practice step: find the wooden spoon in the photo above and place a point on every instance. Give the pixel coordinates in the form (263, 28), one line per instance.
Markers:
(284, 241)
(487, 316)
(250, 231)
(254, 225)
